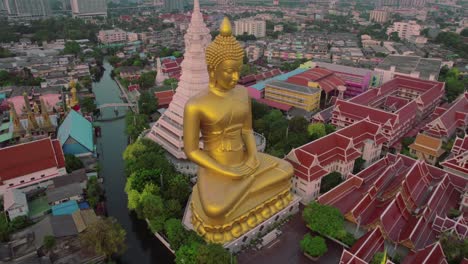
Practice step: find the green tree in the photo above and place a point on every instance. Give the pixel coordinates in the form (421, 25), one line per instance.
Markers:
(93, 191)
(314, 246)
(88, 105)
(19, 223)
(187, 254)
(147, 79)
(105, 237)
(73, 163)
(49, 242)
(464, 33)
(330, 181)
(378, 257)
(4, 228)
(178, 188)
(152, 206)
(298, 124)
(358, 165)
(72, 47)
(454, 249)
(323, 219)
(174, 209)
(394, 37)
(329, 129)
(316, 130)
(147, 103)
(135, 124)
(175, 232)
(214, 254)
(259, 110)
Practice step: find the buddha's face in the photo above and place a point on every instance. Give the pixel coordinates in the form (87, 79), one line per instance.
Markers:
(227, 74)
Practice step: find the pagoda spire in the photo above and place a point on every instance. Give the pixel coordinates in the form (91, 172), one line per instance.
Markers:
(17, 127)
(32, 122)
(45, 115)
(168, 130)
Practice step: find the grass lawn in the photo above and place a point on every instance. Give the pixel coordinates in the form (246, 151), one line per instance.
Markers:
(38, 206)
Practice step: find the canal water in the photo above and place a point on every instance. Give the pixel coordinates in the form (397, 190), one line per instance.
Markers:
(142, 246)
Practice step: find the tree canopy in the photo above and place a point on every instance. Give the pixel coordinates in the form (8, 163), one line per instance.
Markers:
(323, 219)
(72, 163)
(105, 237)
(314, 246)
(330, 181)
(147, 103)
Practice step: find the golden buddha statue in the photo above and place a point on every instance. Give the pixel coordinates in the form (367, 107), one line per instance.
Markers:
(73, 101)
(238, 188)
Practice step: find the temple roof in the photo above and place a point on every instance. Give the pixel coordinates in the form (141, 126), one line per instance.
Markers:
(78, 128)
(31, 157)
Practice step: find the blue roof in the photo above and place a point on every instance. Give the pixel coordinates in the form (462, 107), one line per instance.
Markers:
(83, 205)
(66, 208)
(77, 127)
(2, 96)
(282, 77)
(168, 57)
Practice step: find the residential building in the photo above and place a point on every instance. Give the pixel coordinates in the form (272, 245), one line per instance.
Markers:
(15, 203)
(112, 36)
(253, 52)
(398, 105)
(27, 9)
(379, 16)
(173, 5)
(278, 28)
(404, 201)
(451, 120)
(336, 152)
(250, 26)
(70, 192)
(257, 91)
(304, 97)
(413, 3)
(413, 66)
(427, 148)
(31, 164)
(76, 135)
(89, 8)
(405, 29)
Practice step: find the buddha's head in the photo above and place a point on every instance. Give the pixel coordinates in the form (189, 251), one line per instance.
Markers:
(224, 58)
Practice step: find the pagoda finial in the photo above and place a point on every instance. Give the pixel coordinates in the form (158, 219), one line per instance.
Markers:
(73, 91)
(196, 5)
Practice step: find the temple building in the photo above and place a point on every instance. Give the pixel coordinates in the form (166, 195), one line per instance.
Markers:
(398, 106)
(29, 165)
(403, 201)
(76, 135)
(37, 118)
(168, 129)
(336, 152)
(427, 148)
(457, 162)
(450, 120)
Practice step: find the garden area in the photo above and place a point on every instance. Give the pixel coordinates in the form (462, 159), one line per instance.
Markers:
(158, 194)
(325, 222)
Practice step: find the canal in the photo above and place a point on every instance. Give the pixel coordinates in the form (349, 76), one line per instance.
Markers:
(142, 246)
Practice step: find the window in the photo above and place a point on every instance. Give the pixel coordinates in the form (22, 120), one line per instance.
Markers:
(431, 157)
(43, 175)
(32, 179)
(21, 181)
(244, 239)
(261, 228)
(11, 184)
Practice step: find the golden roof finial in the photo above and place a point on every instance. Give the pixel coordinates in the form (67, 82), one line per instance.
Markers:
(226, 28)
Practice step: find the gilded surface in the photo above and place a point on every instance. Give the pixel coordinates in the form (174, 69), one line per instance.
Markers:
(237, 187)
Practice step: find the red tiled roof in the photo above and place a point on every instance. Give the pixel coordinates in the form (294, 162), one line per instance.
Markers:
(359, 112)
(164, 97)
(23, 159)
(327, 80)
(455, 116)
(432, 254)
(369, 244)
(460, 145)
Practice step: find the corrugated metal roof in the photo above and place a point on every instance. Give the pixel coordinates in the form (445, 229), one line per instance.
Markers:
(282, 77)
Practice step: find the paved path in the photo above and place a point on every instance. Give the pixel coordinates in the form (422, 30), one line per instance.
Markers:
(286, 248)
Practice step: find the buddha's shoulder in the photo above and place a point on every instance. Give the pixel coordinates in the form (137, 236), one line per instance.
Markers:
(241, 90)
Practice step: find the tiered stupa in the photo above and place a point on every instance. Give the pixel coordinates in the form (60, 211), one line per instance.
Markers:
(168, 130)
(159, 73)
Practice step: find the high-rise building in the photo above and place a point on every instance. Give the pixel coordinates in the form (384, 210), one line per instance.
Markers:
(168, 130)
(251, 27)
(379, 16)
(173, 5)
(89, 8)
(412, 3)
(27, 9)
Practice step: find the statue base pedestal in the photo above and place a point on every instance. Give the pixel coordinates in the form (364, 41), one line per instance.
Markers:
(257, 232)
